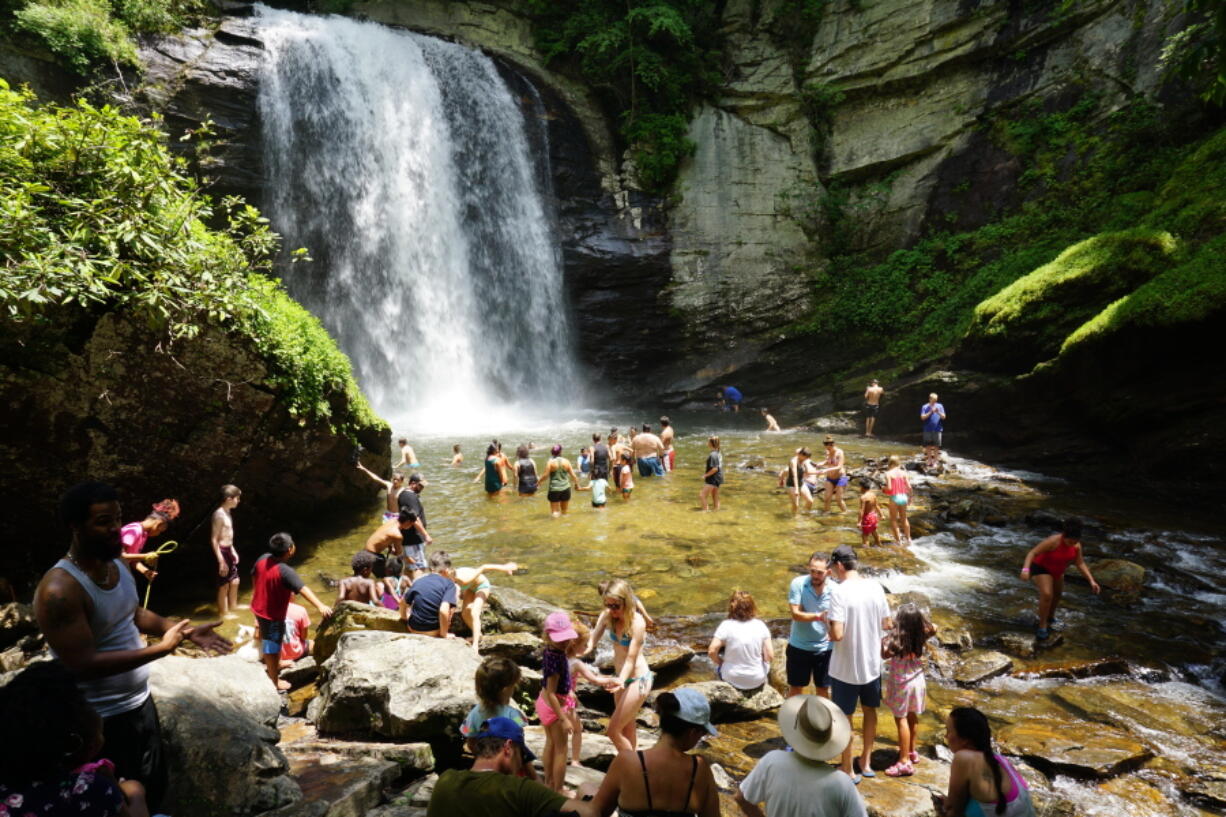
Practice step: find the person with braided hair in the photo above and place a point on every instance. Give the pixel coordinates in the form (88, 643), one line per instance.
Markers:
(981, 782)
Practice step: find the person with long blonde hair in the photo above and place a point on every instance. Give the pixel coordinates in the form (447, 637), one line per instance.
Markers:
(627, 632)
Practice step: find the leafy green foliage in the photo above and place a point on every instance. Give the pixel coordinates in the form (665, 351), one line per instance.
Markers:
(1086, 175)
(96, 214)
(650, 60)
(87, 34)
(1198, 51)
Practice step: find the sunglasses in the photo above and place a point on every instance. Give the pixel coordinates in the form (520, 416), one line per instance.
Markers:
(613, 605)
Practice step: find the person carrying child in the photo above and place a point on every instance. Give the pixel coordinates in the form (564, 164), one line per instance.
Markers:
(898, 486)
(274, 584)
(360, 586)
(870, 515)
(552, 701)
(905, 687)
(49, 739)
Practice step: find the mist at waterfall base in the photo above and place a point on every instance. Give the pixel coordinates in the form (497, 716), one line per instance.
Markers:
(403, 164)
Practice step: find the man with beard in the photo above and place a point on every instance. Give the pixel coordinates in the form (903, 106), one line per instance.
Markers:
(88, 610)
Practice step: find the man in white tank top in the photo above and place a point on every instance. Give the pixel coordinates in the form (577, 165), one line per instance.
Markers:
(89, 611)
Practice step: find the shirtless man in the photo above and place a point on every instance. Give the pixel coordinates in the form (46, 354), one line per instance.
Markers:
(835, 473)
(408, 458)
(393, 487)
(872, 403)
(666, 437)
(390, 537)
(649, 451)
(771, 424)
(360, 586)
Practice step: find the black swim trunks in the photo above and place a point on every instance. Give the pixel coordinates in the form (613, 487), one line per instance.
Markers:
(560, 496)
(870, 410)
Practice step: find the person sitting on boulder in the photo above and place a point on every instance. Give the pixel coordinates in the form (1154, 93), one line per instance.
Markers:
(274, 584)
(430, 602)
(1045, 565)
(493, 786)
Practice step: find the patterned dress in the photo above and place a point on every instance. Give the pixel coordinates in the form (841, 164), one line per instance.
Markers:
(77, 793)
(905, 687)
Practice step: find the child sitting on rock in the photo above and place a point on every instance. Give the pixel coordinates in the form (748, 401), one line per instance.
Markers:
(394, 583)
(360, 586)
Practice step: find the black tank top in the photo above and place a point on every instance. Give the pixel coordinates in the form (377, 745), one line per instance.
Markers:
(600, 461)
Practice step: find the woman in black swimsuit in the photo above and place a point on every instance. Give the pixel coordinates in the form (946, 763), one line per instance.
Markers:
(665, 781)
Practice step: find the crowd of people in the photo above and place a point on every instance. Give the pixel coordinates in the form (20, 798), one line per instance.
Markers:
(844, 644)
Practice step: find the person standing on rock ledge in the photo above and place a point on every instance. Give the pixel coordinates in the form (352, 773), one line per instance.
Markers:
(872, 404)
(859, 616)
(932, 414)
(1045, 565)
(493, 787)
(88, 610)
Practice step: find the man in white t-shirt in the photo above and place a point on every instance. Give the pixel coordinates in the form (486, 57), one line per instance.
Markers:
(799, 783)
(859, 616)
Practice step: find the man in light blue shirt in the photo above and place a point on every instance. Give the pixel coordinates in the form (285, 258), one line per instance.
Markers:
(808, 652)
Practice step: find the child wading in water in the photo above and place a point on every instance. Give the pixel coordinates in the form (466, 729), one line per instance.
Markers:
(714, 476)
(625, 476)
(226, 553)
(870, 515)
(551, 704)
(905, 688)
(898, 486)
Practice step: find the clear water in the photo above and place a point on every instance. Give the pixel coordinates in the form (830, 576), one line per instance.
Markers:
(402, 163)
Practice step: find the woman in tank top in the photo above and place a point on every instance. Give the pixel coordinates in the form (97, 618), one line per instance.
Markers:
(981, 782)
(665, 780)
(559, 477)
(1045, 565)
(525, 472)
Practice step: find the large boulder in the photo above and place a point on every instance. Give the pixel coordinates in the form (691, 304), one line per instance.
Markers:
(1121, 580)
(400, 686)
(516, 612)
(353, 616)
(218, 717)
(659, 657)
(522, 648)
(731, 704)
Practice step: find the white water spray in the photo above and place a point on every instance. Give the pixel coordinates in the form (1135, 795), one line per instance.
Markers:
(401, 162)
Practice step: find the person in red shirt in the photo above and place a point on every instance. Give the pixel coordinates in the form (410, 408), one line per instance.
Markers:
(297, 641)
(275, 583)
(1045, 565)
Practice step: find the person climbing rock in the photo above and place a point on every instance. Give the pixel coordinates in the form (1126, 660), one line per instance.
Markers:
(1045, 565)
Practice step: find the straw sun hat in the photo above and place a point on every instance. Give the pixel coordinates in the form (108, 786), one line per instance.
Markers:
(814, 727)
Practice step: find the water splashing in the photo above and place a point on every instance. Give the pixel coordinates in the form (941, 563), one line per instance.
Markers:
(401, 161)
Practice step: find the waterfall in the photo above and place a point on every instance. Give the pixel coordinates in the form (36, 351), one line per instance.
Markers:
(401, 162)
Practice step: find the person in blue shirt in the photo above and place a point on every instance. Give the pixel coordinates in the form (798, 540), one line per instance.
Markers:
(729, 398)
(808, 652)
(932, 414)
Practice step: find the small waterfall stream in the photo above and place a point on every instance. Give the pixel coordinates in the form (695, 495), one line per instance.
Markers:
(402, 163)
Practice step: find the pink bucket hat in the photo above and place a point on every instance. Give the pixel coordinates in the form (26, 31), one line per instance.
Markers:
(559, 628)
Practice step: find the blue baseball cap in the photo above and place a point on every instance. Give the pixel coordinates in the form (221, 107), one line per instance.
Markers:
(506, 729)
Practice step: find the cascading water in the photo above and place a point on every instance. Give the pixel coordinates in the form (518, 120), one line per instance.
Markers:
(401, 162)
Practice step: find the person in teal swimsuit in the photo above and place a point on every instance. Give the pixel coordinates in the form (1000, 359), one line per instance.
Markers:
(491, 472)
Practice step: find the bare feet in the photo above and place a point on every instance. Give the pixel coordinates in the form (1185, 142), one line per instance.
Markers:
(282, 686)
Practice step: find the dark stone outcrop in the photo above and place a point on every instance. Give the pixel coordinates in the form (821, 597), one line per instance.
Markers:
(110, 399)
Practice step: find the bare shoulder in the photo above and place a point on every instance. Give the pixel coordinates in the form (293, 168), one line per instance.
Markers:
(59, 598)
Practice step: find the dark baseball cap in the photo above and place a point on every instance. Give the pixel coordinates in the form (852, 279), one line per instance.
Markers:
(506, 729)
(417, 478)
(843, 554)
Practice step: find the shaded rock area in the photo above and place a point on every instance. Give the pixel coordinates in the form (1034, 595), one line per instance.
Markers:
(108, 397)
(219, 713)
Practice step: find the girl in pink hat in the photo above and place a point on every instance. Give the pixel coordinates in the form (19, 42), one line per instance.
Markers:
(554, 699)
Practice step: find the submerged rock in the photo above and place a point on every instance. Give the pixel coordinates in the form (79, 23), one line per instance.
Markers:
(1078, 669)
(1053, 747)
(731, 704)
(218, 717)
(396, 686)
(353, 616)
(1027, 645)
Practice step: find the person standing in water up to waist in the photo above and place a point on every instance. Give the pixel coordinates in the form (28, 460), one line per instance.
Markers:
(559, 477)
(649, 451)
(872, 404)
(1045, 565)
(714, 475)
(666, 436)
(932, 414)
(408, 458)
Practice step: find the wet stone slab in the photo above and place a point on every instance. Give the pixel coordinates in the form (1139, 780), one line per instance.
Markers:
(1056, 749)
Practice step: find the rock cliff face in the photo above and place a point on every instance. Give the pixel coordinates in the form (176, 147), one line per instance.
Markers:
(110, 402)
